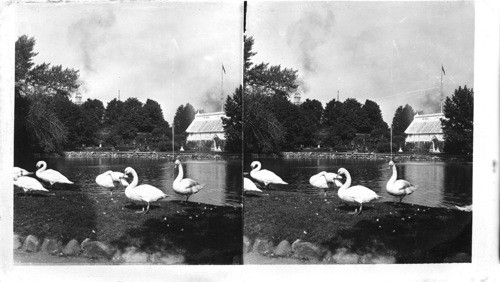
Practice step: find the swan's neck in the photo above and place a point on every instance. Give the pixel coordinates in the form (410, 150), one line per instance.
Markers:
(180, 175)
(132, 184)
(347, 183)
(257, 168)
(43, 167)
(394, 175)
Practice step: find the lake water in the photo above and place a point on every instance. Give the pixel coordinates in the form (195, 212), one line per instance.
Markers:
(221, 178)
(440, 184)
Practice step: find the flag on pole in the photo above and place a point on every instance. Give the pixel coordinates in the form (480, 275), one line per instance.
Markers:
(223, 69)
(442, 68)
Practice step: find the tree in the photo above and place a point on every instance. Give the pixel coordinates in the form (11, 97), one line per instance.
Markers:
(114, 112)
(249, 41)
(183, 118)
(233, 122)
(94, 110)
(153, 116)
(459, 121)
(402, 119)
(371, 117)
(311, 113)
(35, 87)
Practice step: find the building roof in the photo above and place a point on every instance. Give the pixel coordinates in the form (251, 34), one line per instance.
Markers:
(426, 124)
(206, 123)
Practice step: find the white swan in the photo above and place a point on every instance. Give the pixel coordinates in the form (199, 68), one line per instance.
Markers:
(109, 179)
(265, 176)
(400, 187)
(319, 180)
(28, 184)
(142, 193)
(249, 186)
(355, 194)
(50, 175)
(333, 178)
(186, 186)
(20, 171)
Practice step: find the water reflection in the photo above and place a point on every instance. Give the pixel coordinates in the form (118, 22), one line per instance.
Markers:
(439, 184)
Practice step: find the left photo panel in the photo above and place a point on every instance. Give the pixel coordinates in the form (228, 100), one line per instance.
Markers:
(125, 144)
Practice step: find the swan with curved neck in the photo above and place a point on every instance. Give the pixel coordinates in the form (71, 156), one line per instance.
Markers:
(355, 194)
(109, 179)
(399, 188)
(28, 184)
(321, 180)
(263, 175)
(142, 193)
(185, 186)
(50, 175)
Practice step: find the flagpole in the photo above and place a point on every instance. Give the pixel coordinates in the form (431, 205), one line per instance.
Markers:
(391, 143)
(442, 68)
(221, 88)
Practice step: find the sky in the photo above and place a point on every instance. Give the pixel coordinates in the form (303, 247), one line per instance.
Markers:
(392, 53)
(169, 52)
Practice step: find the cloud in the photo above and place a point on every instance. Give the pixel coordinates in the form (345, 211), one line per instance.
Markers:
(309, 33)
(89, 33)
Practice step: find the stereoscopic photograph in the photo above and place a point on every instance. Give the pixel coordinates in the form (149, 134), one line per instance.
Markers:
(120, 147)
(159, 133)
(358, 132)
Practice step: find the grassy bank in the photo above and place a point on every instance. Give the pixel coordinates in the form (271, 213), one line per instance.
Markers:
(203, 234)
(410, 233)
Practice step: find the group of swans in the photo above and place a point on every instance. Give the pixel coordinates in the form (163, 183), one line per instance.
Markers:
(353, 194)
(30, 184)
(143, 193)
(146, 193)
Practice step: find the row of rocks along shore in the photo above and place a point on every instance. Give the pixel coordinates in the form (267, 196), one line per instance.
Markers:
(310, 252)
(92, 250)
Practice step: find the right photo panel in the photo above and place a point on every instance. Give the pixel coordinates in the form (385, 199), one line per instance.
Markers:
(358, 132)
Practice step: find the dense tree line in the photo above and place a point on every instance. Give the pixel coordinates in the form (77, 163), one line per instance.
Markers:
(46, 120)
(269, 122)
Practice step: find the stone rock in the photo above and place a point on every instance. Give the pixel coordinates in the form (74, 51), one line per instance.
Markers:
(246, 244)
(160, 258)
(459, 257)
(31, 244)
(262, 246)
(17, 242)
(72, 248)
(51, 246)
(283, 249)
(306, 250)
(96, 250)
(131, 255)
(344, 256)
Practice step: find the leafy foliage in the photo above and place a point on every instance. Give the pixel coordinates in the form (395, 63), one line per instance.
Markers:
(459, 121)
(233, 123)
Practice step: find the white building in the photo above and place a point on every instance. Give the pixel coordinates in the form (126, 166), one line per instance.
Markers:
(426, 128)
(207, 127)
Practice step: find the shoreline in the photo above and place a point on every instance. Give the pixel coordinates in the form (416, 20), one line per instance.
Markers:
(286, 155)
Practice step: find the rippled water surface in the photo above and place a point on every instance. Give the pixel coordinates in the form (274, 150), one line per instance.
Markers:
(440, 184)
(221, 178)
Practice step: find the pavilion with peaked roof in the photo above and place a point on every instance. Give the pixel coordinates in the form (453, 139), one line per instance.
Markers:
(426, 129)
(207, 129)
